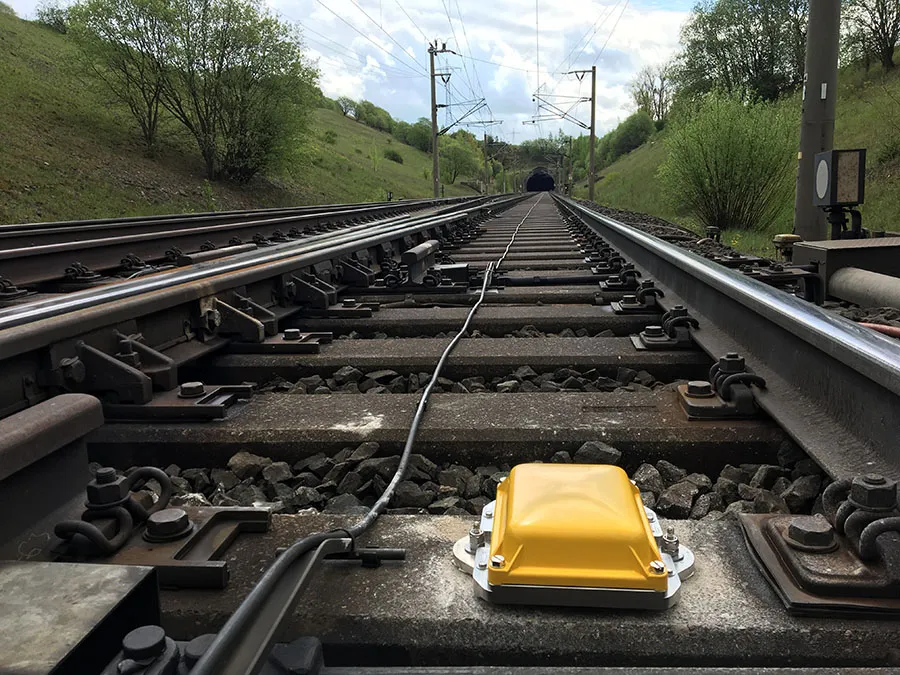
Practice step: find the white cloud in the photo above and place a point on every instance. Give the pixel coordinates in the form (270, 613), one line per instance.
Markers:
(383, 57)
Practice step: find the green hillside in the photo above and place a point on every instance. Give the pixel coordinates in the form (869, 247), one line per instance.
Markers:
(67, 153)
(868, 116)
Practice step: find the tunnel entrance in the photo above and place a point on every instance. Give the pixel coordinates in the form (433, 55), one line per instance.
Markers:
(540, 180)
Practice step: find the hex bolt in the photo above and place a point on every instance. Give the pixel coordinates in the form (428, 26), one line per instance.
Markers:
(73, 369)
(629, 299)
(812, 532)
(125, 346)
(476, 538)
(873, 492)
(168, 524)
(699, 389)
(648, 283)
(489, 513)
(144, 643)
(657, 567)
(654, 332)
(291, 334)
(670, 543)
(732, 362)
(191, 390)
(678, 310)
(497, 561)
(349, 302)
(105, 475)
(481, 564)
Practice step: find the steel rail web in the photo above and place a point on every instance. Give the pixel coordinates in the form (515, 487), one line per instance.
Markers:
(832, 385)
(34, 325)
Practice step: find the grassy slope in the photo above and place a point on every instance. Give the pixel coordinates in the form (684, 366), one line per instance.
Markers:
(65, 153)
(868, 113)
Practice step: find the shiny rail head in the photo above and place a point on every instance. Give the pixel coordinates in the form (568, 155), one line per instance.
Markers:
(873, 355)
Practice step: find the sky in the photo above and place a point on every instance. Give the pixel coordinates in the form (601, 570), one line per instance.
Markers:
(505, 52)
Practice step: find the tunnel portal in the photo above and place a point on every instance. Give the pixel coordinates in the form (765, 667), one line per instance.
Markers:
(539, 180)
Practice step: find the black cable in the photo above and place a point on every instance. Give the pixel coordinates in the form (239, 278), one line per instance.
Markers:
(213, 660)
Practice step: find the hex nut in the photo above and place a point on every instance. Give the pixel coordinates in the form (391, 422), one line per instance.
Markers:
(168, 523)
(73, 369)
(813, 532)
(699, 389)
(107, 490)
(291, 334)
(654, 332)
(732, 362)
(873, 492)
(191, 390)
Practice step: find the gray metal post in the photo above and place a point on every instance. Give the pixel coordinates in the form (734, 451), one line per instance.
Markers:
(435, 167)
(591, 176)
(817, 119)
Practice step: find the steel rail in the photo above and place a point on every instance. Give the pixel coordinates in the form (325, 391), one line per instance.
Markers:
(101, 254)
(834, 386)
(34, 325)
(65, 228)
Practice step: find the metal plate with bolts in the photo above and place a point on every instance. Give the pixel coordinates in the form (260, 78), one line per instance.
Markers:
(291, 341)
(801, 579)
(211, 404)
(193, 560)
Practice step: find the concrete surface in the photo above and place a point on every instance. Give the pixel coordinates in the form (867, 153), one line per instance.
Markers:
(488, 358)
(491, 319)
(423, 611)
(468, 428)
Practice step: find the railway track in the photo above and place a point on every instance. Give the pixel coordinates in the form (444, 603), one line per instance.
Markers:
(586, 341)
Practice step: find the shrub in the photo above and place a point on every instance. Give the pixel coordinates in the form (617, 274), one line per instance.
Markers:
(631, 134)
(393, 155)
(52, 15)
(6, 9)
(889, 151)
(731, 163)
(330, 137)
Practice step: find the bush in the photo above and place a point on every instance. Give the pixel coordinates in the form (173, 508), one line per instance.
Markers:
(393, 155)
(631, 134)
(330, 137)
(889, 151)
(6, 9)
(53, 16)
(730, 163)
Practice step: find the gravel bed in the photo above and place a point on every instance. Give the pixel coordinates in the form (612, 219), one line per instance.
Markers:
(351, 480)
(888, 316)
(527, 331)
(351, 380)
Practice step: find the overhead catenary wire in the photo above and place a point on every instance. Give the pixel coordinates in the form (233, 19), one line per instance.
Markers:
(355, 29)
(215, 659)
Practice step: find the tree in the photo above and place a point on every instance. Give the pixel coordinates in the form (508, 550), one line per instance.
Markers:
(751, 47)
(237, 79)
(651, 91)
(876, 25)
(347, 105)
(122, 45)
(419, 135)
(6, 9)
(53, 15)
(457, 159)
(730, 163)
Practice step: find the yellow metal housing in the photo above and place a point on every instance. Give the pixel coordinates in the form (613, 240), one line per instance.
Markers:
(572, 525)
